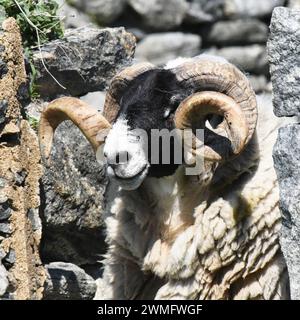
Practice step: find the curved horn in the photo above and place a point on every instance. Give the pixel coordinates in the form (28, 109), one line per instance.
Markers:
(196, 108)
(118, 86)
(227, 93)
(87, 119)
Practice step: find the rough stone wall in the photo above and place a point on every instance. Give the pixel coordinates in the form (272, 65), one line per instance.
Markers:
(21, 272)
(283, 49)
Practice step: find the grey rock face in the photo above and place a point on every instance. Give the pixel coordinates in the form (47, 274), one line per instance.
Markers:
(160, 14)
(73, 188)
(3, 280)
(103, 11)
(67, 281)
(71, 17)
(5, 228)
(283, 50)
(3, 108)
(83, 61)
(287, 163)
(5, 211)
(95, 99)
(250, 8)
(259, 83)
(162, 47)
(294, 4)
(3, 69)
(243, 31)
(204, 11)
(251, 58)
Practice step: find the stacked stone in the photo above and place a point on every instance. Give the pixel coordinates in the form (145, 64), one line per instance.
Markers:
(234, 29)
(21, 272)
(283, 50)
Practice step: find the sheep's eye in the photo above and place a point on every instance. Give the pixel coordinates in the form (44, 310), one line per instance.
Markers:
(167, 113)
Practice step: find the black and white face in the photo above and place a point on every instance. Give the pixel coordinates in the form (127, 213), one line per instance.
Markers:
(149, 103)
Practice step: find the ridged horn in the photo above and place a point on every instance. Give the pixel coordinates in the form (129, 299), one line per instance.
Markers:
(227, 93)
(91, 123)
(118, 86)
(195, 110)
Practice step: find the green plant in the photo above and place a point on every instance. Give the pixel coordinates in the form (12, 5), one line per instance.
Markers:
(41, 13)
(33, 122)
(39, 23)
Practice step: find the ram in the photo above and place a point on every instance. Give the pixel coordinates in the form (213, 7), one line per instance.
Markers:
(173, 235)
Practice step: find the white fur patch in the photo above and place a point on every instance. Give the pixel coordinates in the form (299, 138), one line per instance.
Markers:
(179, 61)
(176, 62)
(117, 137)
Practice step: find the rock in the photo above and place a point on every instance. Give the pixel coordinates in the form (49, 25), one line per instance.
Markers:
(283, 52)
(3, 280)
(83, 61)
(3, 108)
(250, 8)
(259, 83)
(160, 14)
(5, 228)
(71, 17)
(95, 99)
(10, 258)
(2, 252)
(103, 11)
(5, 211)
(162, 47)
(34, 218)
(138, 33)
(3, 68)
(294, 4)
(67, 281)
(243, 31)
(252, 58)
(287, 164)
(72, 198)
(204, 11)
(72, 194)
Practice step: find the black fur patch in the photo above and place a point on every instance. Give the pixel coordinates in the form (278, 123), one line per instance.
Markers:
(144, 106)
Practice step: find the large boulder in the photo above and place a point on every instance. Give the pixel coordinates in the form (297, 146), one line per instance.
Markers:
(162, 47)
(83, 61)
(72, 17)
(66, 281)
(72, 189)
(294, 4)
(212, 10)
(283, 51)
(204, 11)
(250, 8)
(3, 280)
(102, 11)
(241, 31)
(160, 14)
(252, 58)
(287, 164)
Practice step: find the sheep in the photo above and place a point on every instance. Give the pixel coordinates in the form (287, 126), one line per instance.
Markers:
(211, 235)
